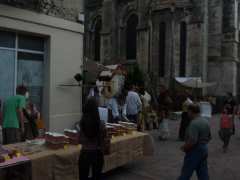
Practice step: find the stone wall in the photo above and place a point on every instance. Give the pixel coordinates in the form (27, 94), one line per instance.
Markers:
(65, 9)
(212, 37)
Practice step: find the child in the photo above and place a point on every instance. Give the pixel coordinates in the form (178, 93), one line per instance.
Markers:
(32, 115)
(225, 131)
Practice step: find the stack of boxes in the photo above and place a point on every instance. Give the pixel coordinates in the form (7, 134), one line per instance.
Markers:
(56, 140)
(73, 136)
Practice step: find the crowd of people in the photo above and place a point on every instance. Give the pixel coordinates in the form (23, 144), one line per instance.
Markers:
(195, 131)
(19, 121)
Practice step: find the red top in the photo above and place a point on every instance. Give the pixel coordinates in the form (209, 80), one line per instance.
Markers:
(226, 121)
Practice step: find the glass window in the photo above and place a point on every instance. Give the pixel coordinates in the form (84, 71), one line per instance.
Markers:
(30, 73)
(30, 56)
(31, 43)
(7, 73)
(7, 39)
(30, 65)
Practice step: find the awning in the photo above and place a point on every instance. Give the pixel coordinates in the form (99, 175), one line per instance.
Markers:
(194, 82)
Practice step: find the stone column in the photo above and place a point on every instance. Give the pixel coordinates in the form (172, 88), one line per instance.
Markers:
(229, 46)
(142, 49)
(205, 42)
(106, 45)
(223, 58)
(143, 36)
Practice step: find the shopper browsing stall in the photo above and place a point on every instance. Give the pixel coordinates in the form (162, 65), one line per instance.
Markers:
(92, 137)
(13, 118)
(133, 105)
(112, 105)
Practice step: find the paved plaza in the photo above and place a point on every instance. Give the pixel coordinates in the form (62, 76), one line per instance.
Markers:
(167, 161)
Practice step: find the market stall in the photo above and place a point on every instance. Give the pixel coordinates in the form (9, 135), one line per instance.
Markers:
(196, 83)
(58, 164)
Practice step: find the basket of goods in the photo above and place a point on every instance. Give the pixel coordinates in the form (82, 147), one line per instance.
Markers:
(6, 154)
(73, 136)
(119, 130)
(56, 140)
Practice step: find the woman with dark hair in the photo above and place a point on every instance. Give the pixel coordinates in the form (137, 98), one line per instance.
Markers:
(92, 138)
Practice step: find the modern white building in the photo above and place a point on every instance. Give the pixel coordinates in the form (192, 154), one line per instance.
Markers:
(42, 49)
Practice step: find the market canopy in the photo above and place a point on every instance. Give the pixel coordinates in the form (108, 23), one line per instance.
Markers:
(194, 82)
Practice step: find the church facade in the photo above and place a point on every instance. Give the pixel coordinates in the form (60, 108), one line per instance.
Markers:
(168, 39)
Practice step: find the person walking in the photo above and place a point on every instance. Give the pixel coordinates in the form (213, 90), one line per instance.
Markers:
(133, 105)
(225, 131)
(231, 104)
(13, 118)
(195, 147)
(92, 138)
(165, 104)
(185, 121)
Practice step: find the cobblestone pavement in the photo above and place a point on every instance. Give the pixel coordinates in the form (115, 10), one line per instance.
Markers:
(167, 161)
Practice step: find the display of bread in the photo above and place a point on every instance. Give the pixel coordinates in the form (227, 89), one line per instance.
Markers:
(115, 130)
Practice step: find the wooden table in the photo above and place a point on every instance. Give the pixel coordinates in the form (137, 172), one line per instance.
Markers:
(63, 164)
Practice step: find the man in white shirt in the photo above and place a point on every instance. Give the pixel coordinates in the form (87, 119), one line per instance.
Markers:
(134, 105)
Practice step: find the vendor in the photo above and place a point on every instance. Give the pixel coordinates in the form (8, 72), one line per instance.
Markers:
(13, 118)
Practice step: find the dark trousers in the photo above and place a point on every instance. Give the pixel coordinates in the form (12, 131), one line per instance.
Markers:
(91, 160)
(133, 118)
(183, 126)
(196, 160)
(11, 135)
(225, 136)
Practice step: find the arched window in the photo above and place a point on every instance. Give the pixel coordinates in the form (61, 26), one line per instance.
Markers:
(162, 48)
(131, 41)
(183, 49)
(97, 35)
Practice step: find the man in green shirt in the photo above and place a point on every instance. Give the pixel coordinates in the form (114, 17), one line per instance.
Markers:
(196, 148)
(13, 118)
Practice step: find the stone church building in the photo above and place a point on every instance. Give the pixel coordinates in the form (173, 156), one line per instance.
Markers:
(168, 38)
